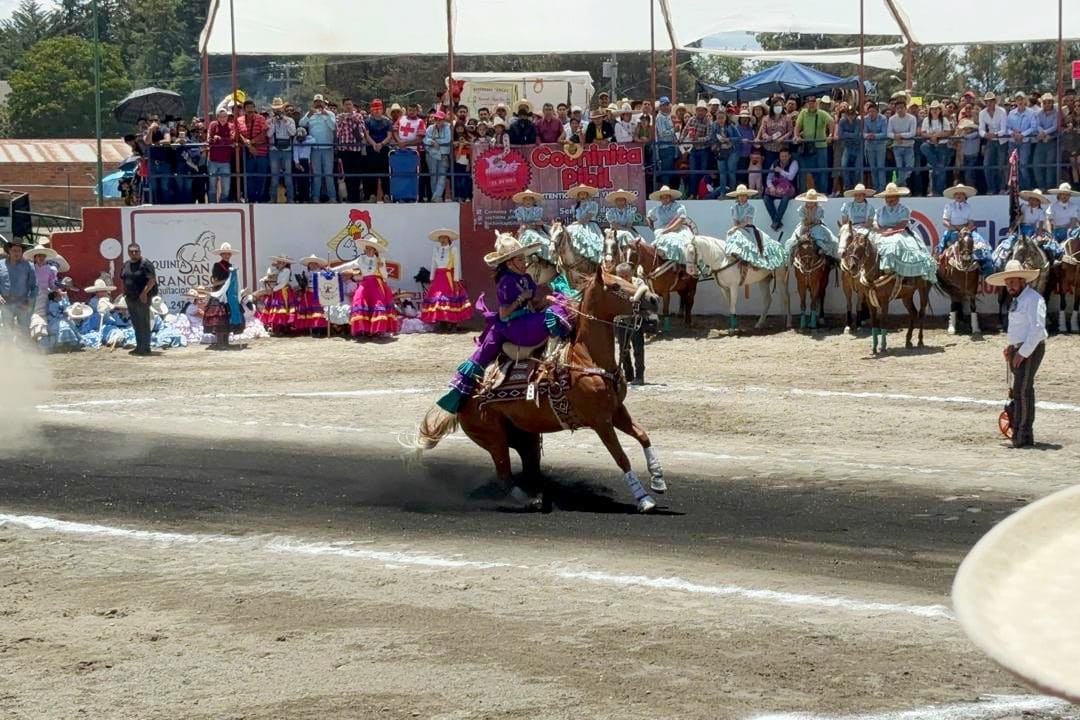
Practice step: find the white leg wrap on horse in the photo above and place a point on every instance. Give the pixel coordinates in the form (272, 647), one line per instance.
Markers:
(634, 484)
(975, 329)
(653, 461)
(952, 323)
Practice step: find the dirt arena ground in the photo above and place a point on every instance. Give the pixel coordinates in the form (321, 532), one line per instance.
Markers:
(234, 535)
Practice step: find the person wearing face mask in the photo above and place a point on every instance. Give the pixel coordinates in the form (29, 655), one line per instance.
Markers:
(775, 132)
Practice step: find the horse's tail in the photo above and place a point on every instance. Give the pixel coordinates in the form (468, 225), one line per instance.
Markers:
(436, 425)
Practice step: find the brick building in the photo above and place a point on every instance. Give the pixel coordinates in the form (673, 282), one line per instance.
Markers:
(58, 174)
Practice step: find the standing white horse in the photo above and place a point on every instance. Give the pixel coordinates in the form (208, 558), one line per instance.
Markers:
(731, 273)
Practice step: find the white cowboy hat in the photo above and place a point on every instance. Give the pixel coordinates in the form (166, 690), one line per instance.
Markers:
(194, 293)
(893, 190)
(1013, 269)
(1015, 596)
(305, 261)
(120, 304)
(225, 249)
(960, 188)
(104, 305)
(61, 263)
(966, 124)
(1047, 96)
(281, 259)
(742, 190)
(714, 101)
(498, 122)
(812, 195)
(376, 241)
(665, 190)
(79, 311)
(1035, 194)
(99, 286)
(860, 188)
(48, 252)
(508, 247)
(1062, 189)
(438, 234)
(620, 193)
(625, 108)
(701, 104)
(578, 189)
(523, 104)
(520, 197)
(158, 306)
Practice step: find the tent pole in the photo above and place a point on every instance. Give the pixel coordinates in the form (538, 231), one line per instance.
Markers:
(674, 75)
(1060, 92)
(861, 110)
(450, 53)
(205, 62)
(652, 51)
(240, 184)
(908, 63)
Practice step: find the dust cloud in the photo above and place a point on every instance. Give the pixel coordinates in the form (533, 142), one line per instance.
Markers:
(28, 384)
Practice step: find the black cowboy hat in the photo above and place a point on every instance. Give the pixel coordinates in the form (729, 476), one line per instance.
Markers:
(423, 276)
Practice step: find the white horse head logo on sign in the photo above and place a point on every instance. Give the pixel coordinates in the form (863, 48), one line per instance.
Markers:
(191, 254)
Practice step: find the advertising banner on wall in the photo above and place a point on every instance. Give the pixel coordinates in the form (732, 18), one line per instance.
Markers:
(551, 169)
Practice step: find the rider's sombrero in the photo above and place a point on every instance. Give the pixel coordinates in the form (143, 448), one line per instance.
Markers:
(740, 191)
(578, 189)
(860, 188)
(620, 193)
(1013, 269)
(158, 306)
(1035, 194)
(893, 190)
(1062, 189)
(284, 259)
(812, 195)
(375, 241)
(99, 286)
(79, 311)
(520, 197)
(440, 233)
(33, 252)
(665, 190)
(1015, 596)
(959, 188)
(508, 247)
(225, 249)
(305, 261)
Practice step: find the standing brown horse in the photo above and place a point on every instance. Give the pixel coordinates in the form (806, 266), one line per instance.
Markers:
(849, 281)
(596, 393)
(881, 288)
(960, 277)
(1070, 282)
(812, 278)
(665, 277)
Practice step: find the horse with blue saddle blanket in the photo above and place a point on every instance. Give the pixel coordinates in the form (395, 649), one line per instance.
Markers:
(957, 216)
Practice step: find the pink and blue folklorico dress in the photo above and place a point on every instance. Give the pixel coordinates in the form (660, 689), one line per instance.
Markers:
(446, 299)
(279, 315)
(309, 313)
(373, 311)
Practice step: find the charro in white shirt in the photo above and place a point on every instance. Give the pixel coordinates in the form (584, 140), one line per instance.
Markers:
(957, 214)
(1027, 321)
(1063, 214)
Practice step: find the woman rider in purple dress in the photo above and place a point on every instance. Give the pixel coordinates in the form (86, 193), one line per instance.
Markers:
(522, 318)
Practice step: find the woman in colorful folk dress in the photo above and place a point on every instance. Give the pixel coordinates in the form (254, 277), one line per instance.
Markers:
(446, 301)
(745, 240)
(900, 250)
(855, 214)
(529, 215)
(668, 221)
(812, 221)
(373, 313)
(585, 236)
(309, 313)
(623, 216)
(279, 315)
(223, 314)
(520, 317)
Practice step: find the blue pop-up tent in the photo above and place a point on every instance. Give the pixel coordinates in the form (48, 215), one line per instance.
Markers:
(784, 77)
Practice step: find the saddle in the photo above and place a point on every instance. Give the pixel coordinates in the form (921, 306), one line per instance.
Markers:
(523, 373)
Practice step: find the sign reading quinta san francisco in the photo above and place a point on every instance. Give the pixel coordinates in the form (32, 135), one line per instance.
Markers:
(550, 170)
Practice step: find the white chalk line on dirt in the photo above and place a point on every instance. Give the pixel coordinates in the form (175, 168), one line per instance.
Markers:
(989, 707)
(294, 546)
(238, 396)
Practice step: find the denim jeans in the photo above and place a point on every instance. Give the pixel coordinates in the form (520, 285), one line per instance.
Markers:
(996, 157)
(700, 168)
(161, 182)
(875, 159)
(255, 170)
(725, 171)
(853, 166)
(905, 163)
(322, 171)
(776, 207)
(971, 167)
(281, 167)
(462, 181)
(438, 166)
(666, 155)
(937, 157)
(219, 170)
(1044, 162)
(819, 163)
(1023, 151)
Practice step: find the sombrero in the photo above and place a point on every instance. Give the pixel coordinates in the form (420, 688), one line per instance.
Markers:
(61, 263)
(860, 188)
(960, 188)
(740, 191)
(620, 193)
(523, 104)
(1062, 189)
(158, 306)
(519, 198)
(280, 258)
(305, 261)
(376, 241)
(573, 150)
(1015, 594)
(665, 190)
(99, 286)
(812, 195)
(438, 234)
(104, 305)
(578, 189)
(194, 293)
(508, 247)
(1035, 194)
(33, 252)
(79, 311)
(1013, 269)
(120, 304)
(225, 249)
(893, 190)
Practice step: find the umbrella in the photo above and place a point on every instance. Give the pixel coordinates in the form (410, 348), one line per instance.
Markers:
(130, 164)
(110, 185)
(147, 102)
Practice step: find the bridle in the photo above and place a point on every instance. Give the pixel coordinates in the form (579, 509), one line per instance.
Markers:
(800, 253)
(961, 254)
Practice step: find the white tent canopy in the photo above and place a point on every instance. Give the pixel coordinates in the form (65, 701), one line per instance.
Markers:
(489, 27)
(886, 57)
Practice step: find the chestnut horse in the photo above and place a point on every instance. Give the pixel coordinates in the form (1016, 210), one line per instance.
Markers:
(812, 279)
(881, 288)
(664, 278)
(960, 277)
(596, 394)
(849, 281)
(1070, 282)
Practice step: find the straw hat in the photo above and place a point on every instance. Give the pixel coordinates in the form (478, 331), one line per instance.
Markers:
(99, 286)
(620, 193)
(1062, 189)
(935, 104)
(812, 195)
(376, 241)
(396, 106)
(277, 104)
(104, 305)
(523, 105)
(1013, 269)
(305, 261)
(508, 247)
(120, 304)
(740, 191)
(437, 235)
(33, 252)
(194, 293)
(960, 188)
(61, 263)
(225, 249)
(158, 306)
(578, 189)
(1047, 96)
(285, 259)
(893, 190)
(1035, 194)
(498, 122)
(989, 96)
(665, 190)
(1015, 597)
(520, 197)
(599, 114)
(79, 311)
(860, 188)
(625, 108)
(701, 104)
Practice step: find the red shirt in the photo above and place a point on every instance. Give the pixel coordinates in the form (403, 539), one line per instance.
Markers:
(548, 131)
(256, 133)
(221, 150)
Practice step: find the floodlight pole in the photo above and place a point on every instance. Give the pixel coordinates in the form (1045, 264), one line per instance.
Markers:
(450, 53)
(241, 184)
(97, 103)
(652, 51)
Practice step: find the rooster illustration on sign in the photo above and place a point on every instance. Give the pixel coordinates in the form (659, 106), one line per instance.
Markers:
(358, 227)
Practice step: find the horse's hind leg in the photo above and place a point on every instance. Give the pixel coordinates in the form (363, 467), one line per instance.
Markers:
(766, 302)
(606, 431)
(626, 424)
(494, 438)
(528, 447)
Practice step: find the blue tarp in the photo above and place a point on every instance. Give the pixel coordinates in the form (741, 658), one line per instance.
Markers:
(785, 77)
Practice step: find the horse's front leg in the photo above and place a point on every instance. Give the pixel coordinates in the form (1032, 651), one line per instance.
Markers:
(976, 330)
(606, 431)
(733, 299)
(626, 424)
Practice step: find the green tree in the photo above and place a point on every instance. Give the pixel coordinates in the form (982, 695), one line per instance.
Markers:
(52, 89)
(29, 23)
(717, 69)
